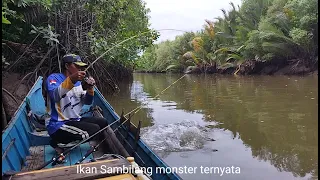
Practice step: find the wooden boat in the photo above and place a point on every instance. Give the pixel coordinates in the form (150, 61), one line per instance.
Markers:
(25, 146)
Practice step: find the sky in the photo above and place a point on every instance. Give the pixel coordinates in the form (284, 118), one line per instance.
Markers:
(186, 15)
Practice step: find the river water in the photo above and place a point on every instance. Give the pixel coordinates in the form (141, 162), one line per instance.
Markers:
(227, 127)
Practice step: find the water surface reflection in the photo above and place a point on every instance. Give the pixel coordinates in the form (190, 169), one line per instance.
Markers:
(266, 125)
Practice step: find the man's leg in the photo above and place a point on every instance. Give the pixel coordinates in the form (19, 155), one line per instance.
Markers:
(73, 131)
(102, 122)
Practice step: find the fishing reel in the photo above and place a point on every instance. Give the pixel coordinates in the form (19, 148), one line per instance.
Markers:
(60, 160)
(87, 82)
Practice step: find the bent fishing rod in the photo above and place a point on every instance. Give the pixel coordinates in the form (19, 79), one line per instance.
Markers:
(116, 45)
(139, 107)
(53, 160)
(66, 152)
(94, 148)
(63, 154)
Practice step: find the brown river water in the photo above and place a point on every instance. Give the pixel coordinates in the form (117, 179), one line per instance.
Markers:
(227, 127)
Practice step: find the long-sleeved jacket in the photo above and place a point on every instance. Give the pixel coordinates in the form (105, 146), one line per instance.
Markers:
(65, 100)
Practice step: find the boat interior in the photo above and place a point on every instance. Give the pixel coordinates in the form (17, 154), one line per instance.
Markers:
(26, 146)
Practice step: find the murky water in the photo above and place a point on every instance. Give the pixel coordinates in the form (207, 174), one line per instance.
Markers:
(265, 127)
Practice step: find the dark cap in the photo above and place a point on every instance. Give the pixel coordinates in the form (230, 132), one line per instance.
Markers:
(73, 58)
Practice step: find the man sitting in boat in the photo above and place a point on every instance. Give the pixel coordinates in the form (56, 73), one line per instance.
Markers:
(67, 94)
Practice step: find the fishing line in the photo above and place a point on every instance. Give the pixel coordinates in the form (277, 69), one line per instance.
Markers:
(140, 107)
(128, 40)
(134, 110)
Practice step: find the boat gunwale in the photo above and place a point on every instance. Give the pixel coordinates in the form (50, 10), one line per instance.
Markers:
(19, 110)
(156, 159)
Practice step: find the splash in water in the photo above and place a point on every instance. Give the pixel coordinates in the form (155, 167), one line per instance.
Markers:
(183, 136)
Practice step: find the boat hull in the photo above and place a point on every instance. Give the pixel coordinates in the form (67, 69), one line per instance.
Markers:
(20, 136)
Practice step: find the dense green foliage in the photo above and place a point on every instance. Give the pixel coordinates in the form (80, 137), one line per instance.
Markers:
(51, 29)
(278, 31)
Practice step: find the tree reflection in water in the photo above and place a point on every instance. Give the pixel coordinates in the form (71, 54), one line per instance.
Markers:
(277, 117)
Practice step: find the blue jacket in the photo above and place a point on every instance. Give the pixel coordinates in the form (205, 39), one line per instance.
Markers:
(65, 100)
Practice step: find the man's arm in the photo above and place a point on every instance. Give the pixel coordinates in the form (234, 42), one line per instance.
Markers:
(58, 89)
(88, 97)
(88, 84)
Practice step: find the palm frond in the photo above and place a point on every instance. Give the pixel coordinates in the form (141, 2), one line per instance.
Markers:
(225, 35)
(187, 55)
(221, 50)
(197, 43)
(279, 48)
(172, 66)
(240, 48)
(209, 27)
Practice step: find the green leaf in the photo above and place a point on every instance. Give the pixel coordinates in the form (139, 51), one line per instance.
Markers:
(5, 20)
(54, 39)
(33, 27)
(172, 66)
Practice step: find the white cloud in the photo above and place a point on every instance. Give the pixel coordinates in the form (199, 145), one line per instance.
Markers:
(186, 15)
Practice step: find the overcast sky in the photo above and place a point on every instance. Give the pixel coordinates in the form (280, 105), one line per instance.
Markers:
(187, 15)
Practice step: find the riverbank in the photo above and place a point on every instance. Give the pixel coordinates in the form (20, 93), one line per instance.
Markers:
(14, 89)
(251, 67)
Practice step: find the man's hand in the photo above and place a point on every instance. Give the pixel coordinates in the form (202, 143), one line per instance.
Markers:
(78, 76)
(88, 83)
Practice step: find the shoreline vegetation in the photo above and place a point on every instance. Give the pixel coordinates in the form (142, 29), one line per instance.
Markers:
(267, 37)
(254, 69)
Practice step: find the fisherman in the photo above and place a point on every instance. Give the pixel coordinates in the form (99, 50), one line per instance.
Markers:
(67, 94)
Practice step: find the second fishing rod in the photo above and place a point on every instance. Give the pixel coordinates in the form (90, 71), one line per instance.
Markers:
(134, 111)
(62, 155)
(93, 148)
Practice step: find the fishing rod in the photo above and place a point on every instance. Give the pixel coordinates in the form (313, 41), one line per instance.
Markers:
(116, 45)
(62, 155)
(138, 108)
(94, 148)
(90, 151)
